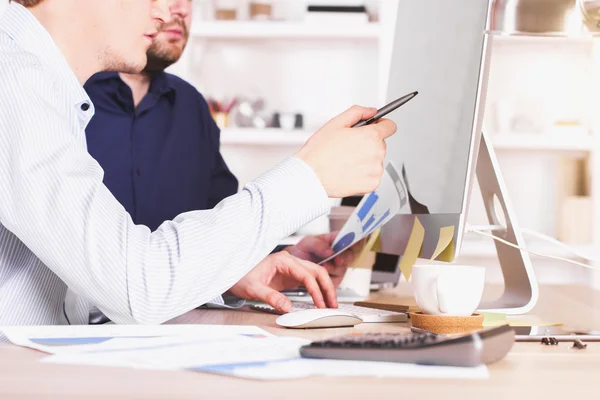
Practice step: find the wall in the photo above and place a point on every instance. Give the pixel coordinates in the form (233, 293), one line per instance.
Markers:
(531, 83)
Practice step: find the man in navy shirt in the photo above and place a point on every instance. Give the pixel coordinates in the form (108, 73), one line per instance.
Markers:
(153, 135)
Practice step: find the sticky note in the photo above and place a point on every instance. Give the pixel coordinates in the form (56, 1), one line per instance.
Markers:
(493, 319)
(518, 323)
(445, 239)
(413, 249)
(367, 249)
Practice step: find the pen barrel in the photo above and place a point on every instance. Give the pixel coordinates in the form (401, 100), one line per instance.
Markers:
(359, 124)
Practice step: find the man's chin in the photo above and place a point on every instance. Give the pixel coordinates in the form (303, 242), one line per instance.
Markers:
(127, 66)
(158, 65)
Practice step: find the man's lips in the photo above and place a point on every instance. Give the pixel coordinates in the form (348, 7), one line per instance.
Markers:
(150, 36)
(173, 33)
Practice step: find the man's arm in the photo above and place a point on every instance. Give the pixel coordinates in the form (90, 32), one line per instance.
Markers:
(52, 198)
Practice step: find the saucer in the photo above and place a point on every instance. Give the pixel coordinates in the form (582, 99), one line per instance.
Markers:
(442, 324)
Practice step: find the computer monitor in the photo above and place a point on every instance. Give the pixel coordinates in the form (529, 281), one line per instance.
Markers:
(442, 50)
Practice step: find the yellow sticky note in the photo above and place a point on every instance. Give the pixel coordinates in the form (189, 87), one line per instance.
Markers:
(377, 245)
(445, 245)
(413, 249)
(493, 319)
(368, 247)
(517, 323)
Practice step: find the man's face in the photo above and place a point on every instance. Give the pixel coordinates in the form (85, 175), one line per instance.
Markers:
(172, 37)
(128, 28)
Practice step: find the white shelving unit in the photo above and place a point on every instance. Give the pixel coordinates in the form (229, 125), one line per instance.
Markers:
(535, 40)
(478, 247)
(238, 143)
(246, 30)
(542, 142)
(263, 137)
(354, 50)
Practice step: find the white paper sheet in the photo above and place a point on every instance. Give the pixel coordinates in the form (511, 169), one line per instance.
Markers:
(303, 368)
(373, 211)
(252, 357)
(86, 338)
(174, 353)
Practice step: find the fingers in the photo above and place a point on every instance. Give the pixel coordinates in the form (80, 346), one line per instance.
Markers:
(385, 127)
(296, 270)
(336, 273)
(272, 297)
(325, 285)
(319, 246)
(353, 115)
(315, 279)
(330, 237)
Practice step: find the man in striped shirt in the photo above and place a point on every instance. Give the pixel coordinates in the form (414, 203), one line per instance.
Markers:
(158, 145)
(66, 244)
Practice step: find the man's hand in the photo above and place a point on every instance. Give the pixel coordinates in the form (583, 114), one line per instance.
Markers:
(349, 161)
(317, 248)
(282, 271)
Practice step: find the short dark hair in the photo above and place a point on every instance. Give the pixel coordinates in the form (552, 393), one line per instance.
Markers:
(27, 3)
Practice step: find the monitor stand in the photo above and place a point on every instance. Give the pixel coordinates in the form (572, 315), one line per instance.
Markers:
(520, 285)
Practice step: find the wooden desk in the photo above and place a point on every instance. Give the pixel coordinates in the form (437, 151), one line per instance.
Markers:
(530, 369)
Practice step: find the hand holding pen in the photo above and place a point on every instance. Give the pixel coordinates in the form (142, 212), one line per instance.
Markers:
(348, 152)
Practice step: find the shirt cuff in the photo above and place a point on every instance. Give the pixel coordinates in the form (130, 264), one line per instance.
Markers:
(295, 190)
(227, 302)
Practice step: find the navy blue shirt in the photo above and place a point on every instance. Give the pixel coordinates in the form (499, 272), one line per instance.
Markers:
(162, 158)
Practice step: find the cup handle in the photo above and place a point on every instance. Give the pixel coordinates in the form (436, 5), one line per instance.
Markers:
(439, 288)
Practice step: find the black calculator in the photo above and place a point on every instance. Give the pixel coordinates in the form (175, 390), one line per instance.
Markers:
(467, 350)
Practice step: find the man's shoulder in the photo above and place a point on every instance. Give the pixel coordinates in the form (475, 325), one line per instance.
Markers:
(19, 69)
(14, 58)
(182, 86)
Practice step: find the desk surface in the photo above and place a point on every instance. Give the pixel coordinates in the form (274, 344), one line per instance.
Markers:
(530, 368)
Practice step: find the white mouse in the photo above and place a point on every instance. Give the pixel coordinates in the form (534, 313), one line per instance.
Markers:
(318, 318)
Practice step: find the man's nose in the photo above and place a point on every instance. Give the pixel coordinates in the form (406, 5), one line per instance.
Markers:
(180, 8)
(161, 12)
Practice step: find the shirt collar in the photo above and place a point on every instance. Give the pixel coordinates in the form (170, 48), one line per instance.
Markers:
(27, 32)
(159, 84)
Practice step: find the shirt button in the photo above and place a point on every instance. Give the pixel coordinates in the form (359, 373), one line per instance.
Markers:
(138, 171)
(85, 106)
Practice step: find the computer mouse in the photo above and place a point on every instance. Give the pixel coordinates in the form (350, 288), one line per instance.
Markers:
(318, 318)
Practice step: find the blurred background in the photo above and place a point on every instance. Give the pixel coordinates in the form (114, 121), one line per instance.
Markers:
(274, 73)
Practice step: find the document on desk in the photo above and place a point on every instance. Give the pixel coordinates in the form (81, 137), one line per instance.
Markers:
(96, 338)
(373, 211)
(251, 357)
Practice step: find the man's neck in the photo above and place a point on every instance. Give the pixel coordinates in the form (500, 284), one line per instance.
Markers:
(139, 85)
(80, 56)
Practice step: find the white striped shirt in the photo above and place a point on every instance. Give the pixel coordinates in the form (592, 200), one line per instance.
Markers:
(66, 244)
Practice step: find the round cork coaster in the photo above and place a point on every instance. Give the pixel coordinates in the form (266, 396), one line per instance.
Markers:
(446, 324)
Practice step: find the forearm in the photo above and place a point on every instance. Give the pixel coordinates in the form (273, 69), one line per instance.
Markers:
(53, 199)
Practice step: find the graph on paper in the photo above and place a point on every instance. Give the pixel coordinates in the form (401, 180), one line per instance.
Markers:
(374, 211)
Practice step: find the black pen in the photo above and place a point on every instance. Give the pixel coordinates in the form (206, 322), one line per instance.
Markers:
(387, 109)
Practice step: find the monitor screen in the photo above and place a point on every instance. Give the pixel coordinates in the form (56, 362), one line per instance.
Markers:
(439, 50)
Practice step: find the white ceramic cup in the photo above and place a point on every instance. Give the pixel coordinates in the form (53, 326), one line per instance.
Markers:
(451, 290)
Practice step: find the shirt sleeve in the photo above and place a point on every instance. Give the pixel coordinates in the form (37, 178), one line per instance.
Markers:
(54, 201)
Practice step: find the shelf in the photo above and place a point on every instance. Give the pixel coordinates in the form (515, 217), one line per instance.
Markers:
(542, 142)
(284, 30)
(262, 137)
(542, 40)
(513, 141)
(486, 248)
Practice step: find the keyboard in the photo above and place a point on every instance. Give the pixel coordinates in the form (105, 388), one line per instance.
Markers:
(467, 350)
(367, 315)
(344, 295)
